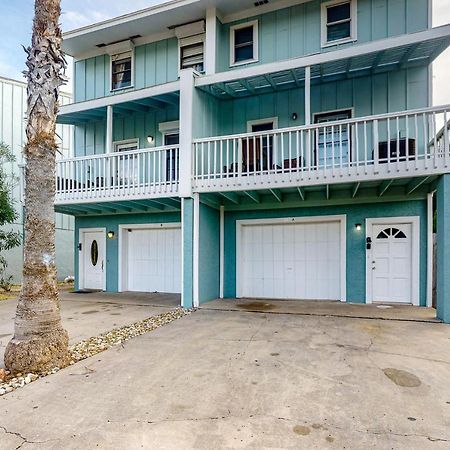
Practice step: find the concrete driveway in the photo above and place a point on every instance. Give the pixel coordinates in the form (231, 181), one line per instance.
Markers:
(86, 315)
(235, 379)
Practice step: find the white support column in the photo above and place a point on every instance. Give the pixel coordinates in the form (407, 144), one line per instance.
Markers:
(222, 248)
(308, 156)
(430, 244)
(196, 250)
(109, 128)
(210, 41)
(187, 89)
(308, 95)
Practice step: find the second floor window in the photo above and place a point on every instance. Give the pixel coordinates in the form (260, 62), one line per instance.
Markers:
(244, 43)
(338, 22)
(121, 71)
(192, 52)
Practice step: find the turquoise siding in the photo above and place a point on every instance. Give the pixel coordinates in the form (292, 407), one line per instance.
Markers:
(111, 223)
(187, 296)
(295, 31)
(155, 63)
(356, 252)
(443, 248)
(90, 137)
(209, 254)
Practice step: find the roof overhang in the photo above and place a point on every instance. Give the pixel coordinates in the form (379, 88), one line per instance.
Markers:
(394, 53)
(158, 20)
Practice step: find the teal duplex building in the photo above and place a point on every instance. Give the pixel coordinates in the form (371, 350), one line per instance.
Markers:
(283, 149)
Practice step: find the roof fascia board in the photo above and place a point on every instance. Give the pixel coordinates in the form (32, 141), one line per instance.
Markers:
(263, 9)
(120, 98)
(137, 42)
(321, 58)
(136, 15)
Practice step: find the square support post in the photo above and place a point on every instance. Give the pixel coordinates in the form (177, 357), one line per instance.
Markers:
(109, 128)
(443, 248)
(187, 236)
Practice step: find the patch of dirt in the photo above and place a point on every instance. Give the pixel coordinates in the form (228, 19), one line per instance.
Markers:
(301, 430)
(256, 306)
(402, 377)
(93, 311)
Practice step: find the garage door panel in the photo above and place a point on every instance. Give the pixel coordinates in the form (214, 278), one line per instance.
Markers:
(291, 261)
(154, 260)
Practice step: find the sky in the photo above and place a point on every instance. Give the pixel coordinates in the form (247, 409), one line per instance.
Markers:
(17, 18)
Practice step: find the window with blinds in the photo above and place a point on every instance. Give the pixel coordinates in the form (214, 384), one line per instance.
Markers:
(192, 50)
(121, 70)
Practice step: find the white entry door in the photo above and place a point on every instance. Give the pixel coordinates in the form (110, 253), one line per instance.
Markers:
(291, 261)
(153, 259)
(93, 260)
(392, 263)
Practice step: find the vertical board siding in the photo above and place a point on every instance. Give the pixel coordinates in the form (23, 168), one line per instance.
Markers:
(295, 31)
(377, 94)
(90, 137)
(154, 63)
(13, 99)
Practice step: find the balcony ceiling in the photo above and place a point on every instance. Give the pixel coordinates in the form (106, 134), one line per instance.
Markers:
(382, 60)
(152, 21)
(142, 105)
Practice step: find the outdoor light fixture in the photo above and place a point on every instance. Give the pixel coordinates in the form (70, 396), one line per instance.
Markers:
(150, 139)
(358, 227)
(111, 234)
(294, 116)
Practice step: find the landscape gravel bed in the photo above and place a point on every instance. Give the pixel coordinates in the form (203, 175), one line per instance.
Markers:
(97, 344)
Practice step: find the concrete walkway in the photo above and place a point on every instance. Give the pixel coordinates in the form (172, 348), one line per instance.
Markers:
(86, 315)
(231, 379)
(326, 308)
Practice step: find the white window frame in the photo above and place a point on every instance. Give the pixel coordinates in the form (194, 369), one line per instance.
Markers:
(131, 53)
(121, 145)
(195, 39)
(254, 24)
(353, 23)
(273, 120)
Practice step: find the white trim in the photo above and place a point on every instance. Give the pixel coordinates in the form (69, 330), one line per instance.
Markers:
(132, 56)
(430, 244)
(353, 22)
(109, 128)
(254, 24)
(341, 218)
(210, 41)
(263, 9)
(415, 253)
(122, 258)
(308, 95)
(172, 126)
(117, 145)
(81, 233)
(331, 112)
(196, 251)
(222, 250)
(123, 97)
(273, 120)
(324, 57)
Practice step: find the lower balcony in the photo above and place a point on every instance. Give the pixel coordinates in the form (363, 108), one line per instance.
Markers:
(128, 175)
(398, 145)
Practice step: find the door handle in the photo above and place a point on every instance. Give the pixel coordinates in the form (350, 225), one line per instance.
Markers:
(102, 265)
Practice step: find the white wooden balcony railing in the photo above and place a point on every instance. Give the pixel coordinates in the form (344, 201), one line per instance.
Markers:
(375, 147)
(136, 174)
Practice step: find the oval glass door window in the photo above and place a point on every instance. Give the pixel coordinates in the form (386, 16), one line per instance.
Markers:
(94, 253)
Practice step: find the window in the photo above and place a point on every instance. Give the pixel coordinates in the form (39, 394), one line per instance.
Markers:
(338, 22)
(192, 52)
(121, 71)
(244, 43)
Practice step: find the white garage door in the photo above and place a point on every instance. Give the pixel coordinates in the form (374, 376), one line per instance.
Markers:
(153, 260)
(290, 261)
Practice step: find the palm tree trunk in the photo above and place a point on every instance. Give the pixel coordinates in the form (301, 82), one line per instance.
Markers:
(40, 343)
